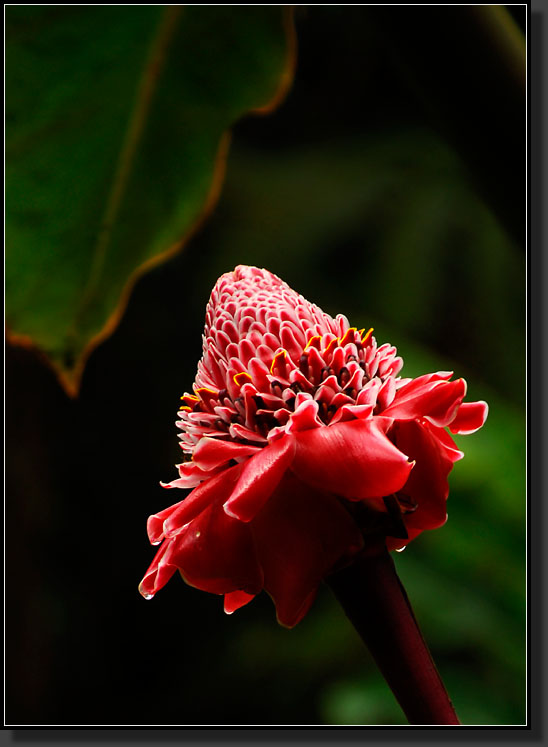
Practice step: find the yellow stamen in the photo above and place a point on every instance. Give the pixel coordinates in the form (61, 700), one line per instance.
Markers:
(348, 336)
(276, 360)
(313, 341)
(367, 335)
(241, 375)
(333, 344)
(205, 389)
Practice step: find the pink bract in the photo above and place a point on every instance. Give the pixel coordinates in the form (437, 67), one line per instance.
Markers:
(299, 440)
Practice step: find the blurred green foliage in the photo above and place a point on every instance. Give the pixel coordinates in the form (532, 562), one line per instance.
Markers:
(115, 112)
(350, 196)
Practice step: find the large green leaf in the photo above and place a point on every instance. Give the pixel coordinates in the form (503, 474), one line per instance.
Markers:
(115, 149)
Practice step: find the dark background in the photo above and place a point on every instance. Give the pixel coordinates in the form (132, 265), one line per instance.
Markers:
(389, 187)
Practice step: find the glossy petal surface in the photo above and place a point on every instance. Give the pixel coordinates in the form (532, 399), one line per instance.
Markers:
(217, 553)
(436, 400)
(470, 418)
(427, 485)
(213, 491)
(212, 452)
(259, 478)
(354, 459)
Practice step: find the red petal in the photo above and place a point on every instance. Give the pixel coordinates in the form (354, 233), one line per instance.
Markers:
(236, 599)
(427, 484)
(211, 452)
(351, 412)
(155, 523)
(300, 535)
(239, 431)
(452, 452)
(190, 476)
(290, 618)
(217, 554)
(260, 476)
(304, 417)
(353, 459)
(421, 381)
(470, 417)
(436, 400)
(158, 574)
(211, 492)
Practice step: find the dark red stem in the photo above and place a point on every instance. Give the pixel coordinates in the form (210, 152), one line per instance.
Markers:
(375, 601)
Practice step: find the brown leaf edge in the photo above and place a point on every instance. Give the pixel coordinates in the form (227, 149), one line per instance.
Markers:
(71, 379)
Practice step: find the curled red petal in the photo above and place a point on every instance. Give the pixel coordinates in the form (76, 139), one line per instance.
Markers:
(190, 476)
(210, 492)
(304, 417)
(212, 452)
(352, 412)
(217, 553)
(420, 382)
(470, 417)
(236, 599)
(288, 618)
(301, 534)
(427, 484)
(240, 431)
(158, 573)
(354, 459)
(260, 476)
(155, 522)
(452, 451)
(437, 400)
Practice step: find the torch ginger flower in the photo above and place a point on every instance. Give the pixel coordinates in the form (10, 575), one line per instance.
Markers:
(300, 440)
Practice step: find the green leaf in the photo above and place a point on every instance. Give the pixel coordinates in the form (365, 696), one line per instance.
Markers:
(115, 150)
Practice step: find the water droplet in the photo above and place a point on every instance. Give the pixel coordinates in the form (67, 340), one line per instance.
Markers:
(145, 594)
(197, 534)
(158, 542)
(401, 549)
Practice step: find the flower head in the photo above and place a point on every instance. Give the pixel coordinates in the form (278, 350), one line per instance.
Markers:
(299, 440)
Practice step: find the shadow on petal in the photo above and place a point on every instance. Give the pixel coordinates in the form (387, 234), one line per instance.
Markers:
(354, 459)
(301, 534)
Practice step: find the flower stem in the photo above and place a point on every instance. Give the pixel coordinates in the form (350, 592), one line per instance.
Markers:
(375, 601)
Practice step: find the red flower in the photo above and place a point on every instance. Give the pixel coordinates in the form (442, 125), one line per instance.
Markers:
(299, 440)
